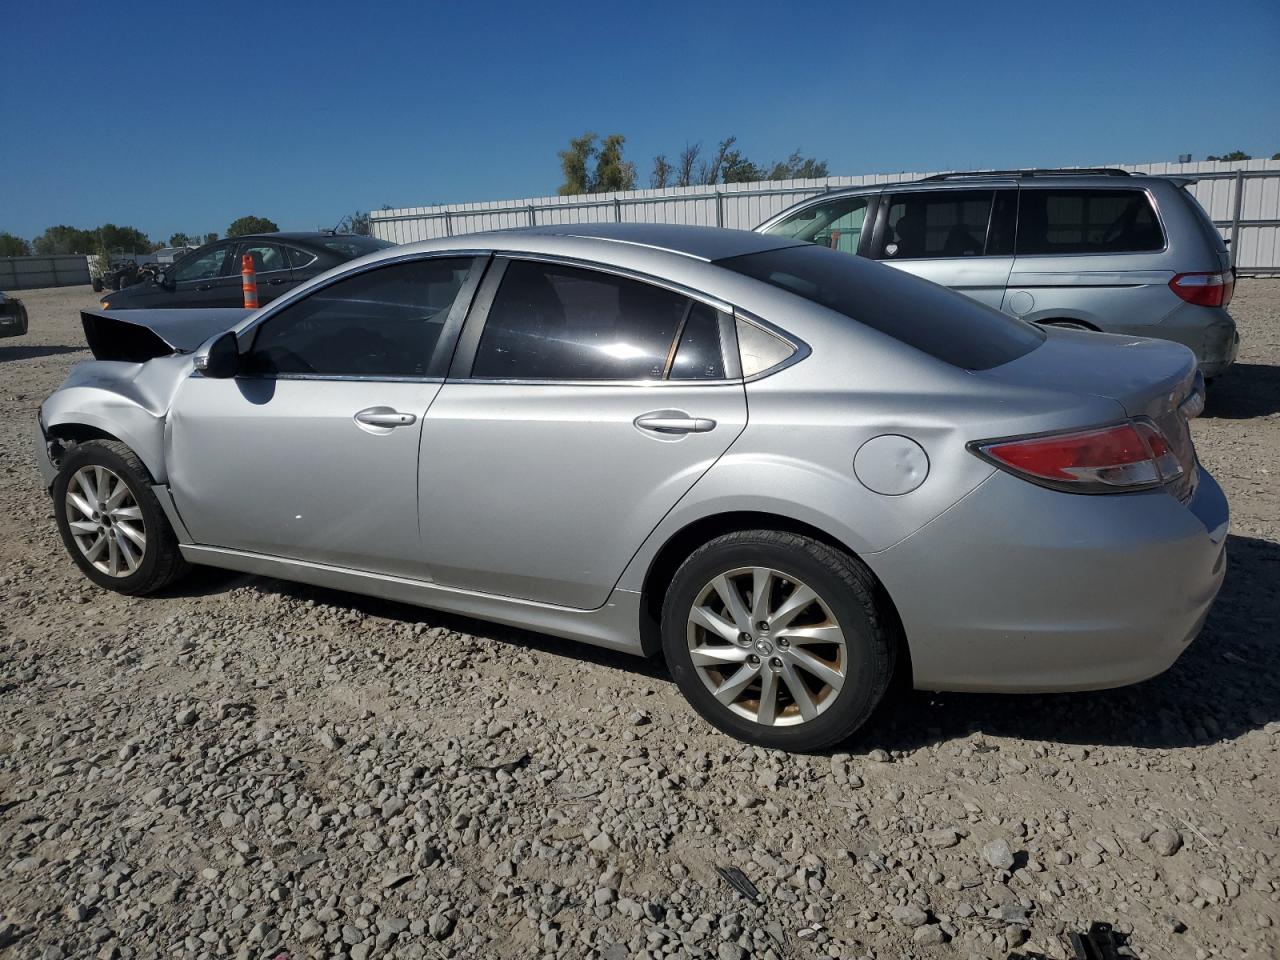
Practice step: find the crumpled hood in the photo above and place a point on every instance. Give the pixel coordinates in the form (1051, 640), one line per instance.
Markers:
(139, 335)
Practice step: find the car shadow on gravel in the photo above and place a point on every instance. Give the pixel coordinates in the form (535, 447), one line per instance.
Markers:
(1246, 391)
(1225, 685)
(31, 352)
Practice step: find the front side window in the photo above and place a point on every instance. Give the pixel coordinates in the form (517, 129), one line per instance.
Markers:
(383, 323)
(202, 265)
(832, 223)
(552, 322)
(936, 224)
(1087, 221)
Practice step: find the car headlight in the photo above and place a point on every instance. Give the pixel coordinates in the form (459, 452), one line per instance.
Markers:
(104, 305)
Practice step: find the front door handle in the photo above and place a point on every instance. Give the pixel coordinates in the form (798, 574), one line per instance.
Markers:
(205, 286)
(384, 417)
(276, 282)
(667, 423)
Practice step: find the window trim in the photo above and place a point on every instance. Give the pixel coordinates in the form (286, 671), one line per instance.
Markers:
(800, 350)
(833, 196)
(234, 258)
(222, 271)
(310, 253)
(469, 343)
(437, 363)
(1125, 188)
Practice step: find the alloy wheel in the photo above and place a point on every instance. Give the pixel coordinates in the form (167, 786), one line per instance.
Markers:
(106, 521)
(767, 646)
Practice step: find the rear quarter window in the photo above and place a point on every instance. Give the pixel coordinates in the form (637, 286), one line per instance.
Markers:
(946, 325)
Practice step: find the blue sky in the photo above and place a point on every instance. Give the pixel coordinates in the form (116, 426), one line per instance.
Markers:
(184, 116)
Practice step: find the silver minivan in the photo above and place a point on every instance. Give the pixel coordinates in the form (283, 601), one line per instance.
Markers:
(1096, 249)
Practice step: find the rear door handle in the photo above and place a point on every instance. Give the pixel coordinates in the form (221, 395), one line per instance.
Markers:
(671, 424)
(384, 417)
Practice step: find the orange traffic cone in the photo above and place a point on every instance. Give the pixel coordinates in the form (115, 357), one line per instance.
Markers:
(249, 281)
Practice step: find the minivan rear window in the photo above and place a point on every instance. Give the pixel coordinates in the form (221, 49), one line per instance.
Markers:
(1066, 221)
(945, 325)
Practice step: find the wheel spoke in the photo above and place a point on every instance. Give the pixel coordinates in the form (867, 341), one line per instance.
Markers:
(715, 623)
(799, 692)
(761, 584)
(728, 691)
(96, 548)
(85, 528)
(134, 535)
(80, 503)
(86, 485)
(717, 656)
(733, 602)
(126, 550)
(118, 493)
(768, 711)
(803, 636)
(824, 672)
(113, 555)
(800, 598)
(101, 483)
(127, 513)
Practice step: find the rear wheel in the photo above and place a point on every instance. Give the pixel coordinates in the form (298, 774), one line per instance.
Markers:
(111, 523)
(778, 639)
(96, 283)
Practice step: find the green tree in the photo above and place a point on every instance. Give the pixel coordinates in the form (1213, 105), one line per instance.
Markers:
(248, 225)
(797, 167)
(128, 239)
(662, 172)
(574, 164)
(64, 239)
(1233, 155)
(357, 223)
(11, 246)
(612, 171)
(209, 237)
(1275, 156)
(179, 240)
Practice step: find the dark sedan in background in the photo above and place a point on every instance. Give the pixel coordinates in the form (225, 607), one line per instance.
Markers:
(13, 317)
(210, 276)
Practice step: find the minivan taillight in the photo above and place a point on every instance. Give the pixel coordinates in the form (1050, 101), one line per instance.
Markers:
(1133, 455)
(1205, 289)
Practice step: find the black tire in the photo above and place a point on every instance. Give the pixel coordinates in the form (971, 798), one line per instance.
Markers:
(850, 593)
(121, 282)
(96, 283)
(161, 561)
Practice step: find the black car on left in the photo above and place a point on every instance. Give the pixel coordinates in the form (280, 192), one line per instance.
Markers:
(210, 275)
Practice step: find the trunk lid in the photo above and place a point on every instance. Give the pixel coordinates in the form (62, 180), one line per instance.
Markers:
(1155, 379)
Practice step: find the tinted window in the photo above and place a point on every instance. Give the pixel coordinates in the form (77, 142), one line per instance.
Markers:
(384, 323)
(833, 223)
(550, 322)
(945, 325)
(203, 264)
(1087, 221)
(267, 257)
(299, 257)
(352, 247)
(699, 356)
(943, 223)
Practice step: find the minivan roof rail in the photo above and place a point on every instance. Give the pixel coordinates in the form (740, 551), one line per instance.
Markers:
(1044, 172)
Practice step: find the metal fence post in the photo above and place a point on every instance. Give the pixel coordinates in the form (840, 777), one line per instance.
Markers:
(719, 209)
(533, 216)
(448, 224)
(617, 210)
(1235, 216)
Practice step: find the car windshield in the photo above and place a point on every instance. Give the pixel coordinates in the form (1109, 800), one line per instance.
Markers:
(943, 324)
(354, 246)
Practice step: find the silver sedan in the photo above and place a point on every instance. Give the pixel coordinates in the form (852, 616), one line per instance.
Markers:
(789, 472)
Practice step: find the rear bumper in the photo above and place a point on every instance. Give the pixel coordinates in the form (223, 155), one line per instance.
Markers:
(1021, 589)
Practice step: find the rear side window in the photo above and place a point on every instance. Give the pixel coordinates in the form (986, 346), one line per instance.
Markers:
(1087, 221)
(383, 323)
(552, 322)
(942, 223)
(939, 322)
(833, 223)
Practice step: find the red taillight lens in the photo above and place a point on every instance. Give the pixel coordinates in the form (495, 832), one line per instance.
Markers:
(1129, 455)
(1205, 289)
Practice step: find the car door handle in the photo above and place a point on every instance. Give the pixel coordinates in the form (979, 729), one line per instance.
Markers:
(665, 423)
(384, 417)
(205, 286)
(276, 282)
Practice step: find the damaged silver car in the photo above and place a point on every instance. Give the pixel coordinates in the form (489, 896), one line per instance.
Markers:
(791, 473)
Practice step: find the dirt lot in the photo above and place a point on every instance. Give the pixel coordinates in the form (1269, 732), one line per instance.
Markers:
(248, 768)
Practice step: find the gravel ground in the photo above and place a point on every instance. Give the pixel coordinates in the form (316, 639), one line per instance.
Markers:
(249, 768)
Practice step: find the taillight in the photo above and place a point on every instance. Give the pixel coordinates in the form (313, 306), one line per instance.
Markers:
(1205, 289)
(1128, 456)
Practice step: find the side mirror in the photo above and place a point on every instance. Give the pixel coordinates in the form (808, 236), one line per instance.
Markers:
(222, 360)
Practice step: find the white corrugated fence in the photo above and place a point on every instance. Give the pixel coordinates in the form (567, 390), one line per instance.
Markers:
(1243, 198)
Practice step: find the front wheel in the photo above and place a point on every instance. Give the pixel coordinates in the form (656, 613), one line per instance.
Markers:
(111, 523)
(778, 639)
